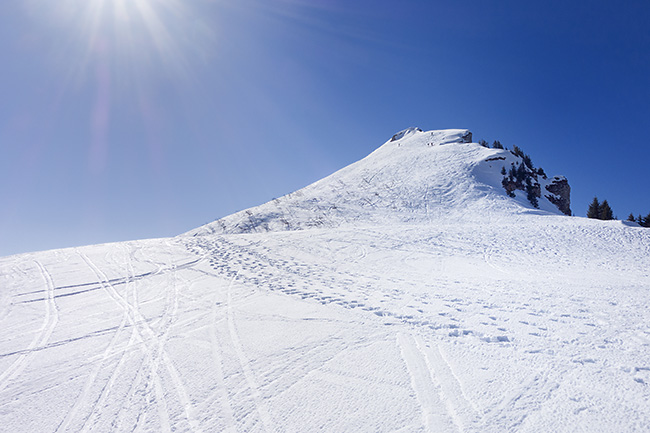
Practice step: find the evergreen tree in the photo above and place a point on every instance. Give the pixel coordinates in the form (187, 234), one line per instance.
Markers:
(517, 151)
(497, 145)
(504, 183)
(530, 193)
(527, 161)
(593, 211)
(503, 171)
(646, 221)
(521, 172)
(512, 173)
(483, 143)
(605, 212)
(630, 217)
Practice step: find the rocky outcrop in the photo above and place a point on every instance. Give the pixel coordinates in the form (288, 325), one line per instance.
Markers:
(467, 138)
(524, 178)
(406, 132)
(519, 173)
(560, 194)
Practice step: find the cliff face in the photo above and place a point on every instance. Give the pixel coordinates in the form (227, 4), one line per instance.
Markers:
(466, 138)
(524, 182)
(560, 194)
(533, 182)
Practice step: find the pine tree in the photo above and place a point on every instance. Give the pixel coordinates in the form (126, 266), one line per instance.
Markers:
(483, 143)
(497, 145)
(593, 211)
(605, 212)
(528, 161)
(517, 151)
(530, 193)
(505, 183)
(521, 172)
(646, 221)
(512, 173)
(630, 217)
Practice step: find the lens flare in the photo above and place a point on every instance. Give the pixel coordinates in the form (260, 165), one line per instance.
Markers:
(117, 51)
(134, 34)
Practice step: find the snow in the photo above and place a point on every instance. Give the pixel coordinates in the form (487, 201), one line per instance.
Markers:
(427, 300)
(404, 133)
(422, 177)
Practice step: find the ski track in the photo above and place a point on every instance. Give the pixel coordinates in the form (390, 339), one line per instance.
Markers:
(262, 409)
(222, 390)
(85, 393)
(44, 333)
(109, 352)
(153, 344)
(92, 418)
(424, 382)
(458, 406)
(152, 378)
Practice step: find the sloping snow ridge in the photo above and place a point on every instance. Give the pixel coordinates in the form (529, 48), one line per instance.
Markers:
(415, 176)
(404, 293)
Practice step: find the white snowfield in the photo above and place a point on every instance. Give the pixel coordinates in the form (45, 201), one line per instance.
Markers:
(404, 293)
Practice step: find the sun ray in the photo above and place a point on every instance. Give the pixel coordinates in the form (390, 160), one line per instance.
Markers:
(117, 52)
(165, 45)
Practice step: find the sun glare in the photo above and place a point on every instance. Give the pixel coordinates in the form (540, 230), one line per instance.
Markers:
(139, 31)
(117, 52)
(132, 35)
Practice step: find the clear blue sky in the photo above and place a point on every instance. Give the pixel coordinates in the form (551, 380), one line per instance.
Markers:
(130, 119)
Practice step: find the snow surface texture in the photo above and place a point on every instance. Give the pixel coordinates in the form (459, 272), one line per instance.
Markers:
(438, 304)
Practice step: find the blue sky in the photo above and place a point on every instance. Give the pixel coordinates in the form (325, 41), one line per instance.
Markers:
(130, 119)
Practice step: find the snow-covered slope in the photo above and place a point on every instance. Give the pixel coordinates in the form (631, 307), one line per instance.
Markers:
(443, 306)
(415, 176)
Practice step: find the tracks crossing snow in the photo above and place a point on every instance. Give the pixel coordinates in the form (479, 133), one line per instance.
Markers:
(153, 344)
(261, 406)
(435, 416)
(44, 333)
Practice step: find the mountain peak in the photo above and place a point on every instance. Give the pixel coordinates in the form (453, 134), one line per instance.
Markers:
(416, 136)
(416, 175)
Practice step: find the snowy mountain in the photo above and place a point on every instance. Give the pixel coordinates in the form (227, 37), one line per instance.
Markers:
(416, 176)
(406, 292)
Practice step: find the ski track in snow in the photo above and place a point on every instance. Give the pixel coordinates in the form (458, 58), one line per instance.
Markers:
(84, 397)
(262, 410)
(424, 382)
(129, 310)
(44, 333)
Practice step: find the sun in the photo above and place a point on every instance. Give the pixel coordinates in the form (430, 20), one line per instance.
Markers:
(138, 33)
(117, 54)
(134, 36)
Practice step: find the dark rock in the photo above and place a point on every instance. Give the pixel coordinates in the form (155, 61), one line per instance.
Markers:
(560, 194)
